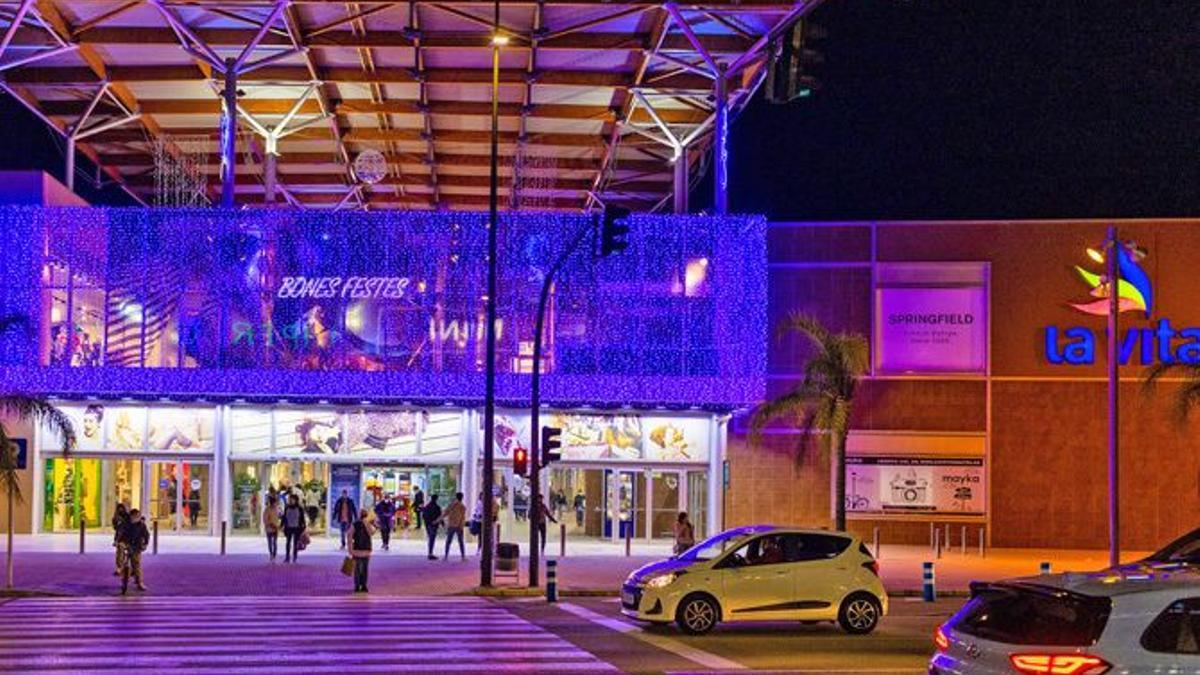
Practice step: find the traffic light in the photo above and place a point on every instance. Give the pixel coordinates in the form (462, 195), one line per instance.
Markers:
(551, 442)
(520, 461)
(614, 230)
(790, 75)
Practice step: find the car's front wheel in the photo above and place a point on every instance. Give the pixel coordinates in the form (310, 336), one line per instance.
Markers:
(697, 614)
(859, 614)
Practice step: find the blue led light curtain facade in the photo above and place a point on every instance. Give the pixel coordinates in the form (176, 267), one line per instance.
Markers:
(394, 301)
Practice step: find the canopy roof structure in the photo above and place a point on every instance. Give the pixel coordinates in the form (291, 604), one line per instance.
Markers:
(599, 102)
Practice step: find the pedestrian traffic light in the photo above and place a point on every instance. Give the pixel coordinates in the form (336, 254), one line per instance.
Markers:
(520, 461)
(793, 57)
(614, 229)
(551, 442)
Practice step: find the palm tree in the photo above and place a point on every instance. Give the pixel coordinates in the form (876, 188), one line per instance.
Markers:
(26, 409)
(1188, 396)
(823, 401)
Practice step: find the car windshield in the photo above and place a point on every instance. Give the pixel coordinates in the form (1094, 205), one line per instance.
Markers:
(1185, 549)
(714, 546)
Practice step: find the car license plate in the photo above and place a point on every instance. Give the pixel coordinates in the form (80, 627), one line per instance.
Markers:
(626, 598)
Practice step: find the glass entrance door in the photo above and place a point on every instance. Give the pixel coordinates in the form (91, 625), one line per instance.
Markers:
(162, 490)
(193, 496)
(620, 503)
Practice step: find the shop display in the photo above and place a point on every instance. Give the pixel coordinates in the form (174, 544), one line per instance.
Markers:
(905, 484)
(620, 438)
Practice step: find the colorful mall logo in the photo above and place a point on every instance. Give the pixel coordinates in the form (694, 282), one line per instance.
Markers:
(1163, 343)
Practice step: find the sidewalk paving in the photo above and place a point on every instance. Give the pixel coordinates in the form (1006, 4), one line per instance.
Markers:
(191, 566)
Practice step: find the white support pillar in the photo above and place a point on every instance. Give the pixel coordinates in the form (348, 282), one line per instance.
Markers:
(716, 473)
(681, 181)
(467, 438)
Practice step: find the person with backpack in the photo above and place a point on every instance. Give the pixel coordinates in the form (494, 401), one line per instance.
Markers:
(271, 524)
(293, 526)
(385, 512)
(134, 538)
(418, 505)
(432, 515)
(360, 550)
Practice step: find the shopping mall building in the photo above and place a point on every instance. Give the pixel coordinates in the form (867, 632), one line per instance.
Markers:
(206, 356)
(986, 404)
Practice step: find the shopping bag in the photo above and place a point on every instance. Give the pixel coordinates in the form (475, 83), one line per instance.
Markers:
(304, 541)
(348, 566)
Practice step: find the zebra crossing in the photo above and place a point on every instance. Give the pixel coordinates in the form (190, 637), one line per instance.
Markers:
(280, 634)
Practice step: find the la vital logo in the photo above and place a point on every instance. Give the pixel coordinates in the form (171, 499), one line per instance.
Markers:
(1160, 342)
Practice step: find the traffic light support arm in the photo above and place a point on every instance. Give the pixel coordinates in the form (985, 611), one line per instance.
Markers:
(535, 439)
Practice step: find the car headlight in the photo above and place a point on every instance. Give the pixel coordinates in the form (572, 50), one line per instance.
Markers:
(661, 581)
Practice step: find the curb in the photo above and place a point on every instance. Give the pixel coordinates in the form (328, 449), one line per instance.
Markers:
(16, 593)
(526, 592)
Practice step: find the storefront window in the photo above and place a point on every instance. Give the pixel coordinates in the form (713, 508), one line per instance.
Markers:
(72, 495)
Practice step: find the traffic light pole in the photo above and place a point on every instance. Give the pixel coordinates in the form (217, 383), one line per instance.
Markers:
(535, 428)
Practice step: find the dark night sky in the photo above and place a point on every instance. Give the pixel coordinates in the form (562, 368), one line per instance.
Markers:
(951, 109)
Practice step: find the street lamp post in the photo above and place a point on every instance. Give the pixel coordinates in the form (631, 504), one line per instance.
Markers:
(488, 529)
(1112, 254)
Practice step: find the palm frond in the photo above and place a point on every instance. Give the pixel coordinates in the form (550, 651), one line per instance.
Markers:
(1187, 398)
(10, 481)
(796, 404)
(808, 326)
(42, 412)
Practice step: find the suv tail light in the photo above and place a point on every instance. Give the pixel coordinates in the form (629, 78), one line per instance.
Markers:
(940, 639)
(872, 565)
(1059, 664)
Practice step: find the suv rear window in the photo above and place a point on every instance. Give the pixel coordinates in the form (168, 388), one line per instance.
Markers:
(1176, 630)
(1032, 615)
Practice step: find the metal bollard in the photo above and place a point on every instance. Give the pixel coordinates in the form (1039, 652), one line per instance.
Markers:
(223, 537)
(876, 548)
(937, 543)
(154, 539)
(962, 541)
(1045, 568)
(982, 552)
(628, 540)
(551, 580)
(928, 590)
(82, 533)
(562, 540)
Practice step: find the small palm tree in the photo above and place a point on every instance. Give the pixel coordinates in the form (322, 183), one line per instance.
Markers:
(30, 409)
(824, 399)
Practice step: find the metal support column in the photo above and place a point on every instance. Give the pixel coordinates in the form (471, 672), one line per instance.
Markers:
(721, 144)
(489, 410)
(681, 182)
(1114, 384)
(229, 114)
(270, 159)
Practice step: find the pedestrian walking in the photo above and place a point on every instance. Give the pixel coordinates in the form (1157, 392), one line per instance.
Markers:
(455, 517)
(418, 505)
(271, 524)
(432, 515)
(579, 503)
(120, 517)
(540, 513)
(360, 549)
(294, 525)
(685, 534)
(194, 507)
(344, 514)
(385, 512)
(134, 538)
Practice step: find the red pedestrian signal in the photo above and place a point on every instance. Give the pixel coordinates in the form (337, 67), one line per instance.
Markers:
(520, 461)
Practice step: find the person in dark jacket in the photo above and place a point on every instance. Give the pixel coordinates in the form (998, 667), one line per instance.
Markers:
(293, 526)
(418, 504)
(344, 514)
(120, 517)
(360, 550)
(193, 505)
(134, 538)
(432, 515)
(385, 512)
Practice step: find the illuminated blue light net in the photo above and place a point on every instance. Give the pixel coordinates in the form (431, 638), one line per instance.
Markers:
(381, 306)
